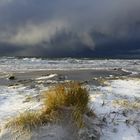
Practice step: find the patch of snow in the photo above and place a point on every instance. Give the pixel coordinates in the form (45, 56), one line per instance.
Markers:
(116, 124)
(12, 101)
(128, 87)
(120, 132)
(46, 77)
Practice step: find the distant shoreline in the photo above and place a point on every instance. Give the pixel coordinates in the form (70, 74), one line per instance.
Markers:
(73, 75)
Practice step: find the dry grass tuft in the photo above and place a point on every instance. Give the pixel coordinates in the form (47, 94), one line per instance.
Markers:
(26, 121)
(68, 95)
(127, 104)
(71, 95)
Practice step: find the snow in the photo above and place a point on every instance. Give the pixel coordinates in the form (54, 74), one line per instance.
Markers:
(12, 101)
(102, 97)
(46, 77)
(115, 127)
(128, 87)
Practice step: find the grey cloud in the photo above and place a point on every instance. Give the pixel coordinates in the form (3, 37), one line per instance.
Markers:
(93, 24)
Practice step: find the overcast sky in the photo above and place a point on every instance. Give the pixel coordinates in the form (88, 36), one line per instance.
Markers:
(70, 28)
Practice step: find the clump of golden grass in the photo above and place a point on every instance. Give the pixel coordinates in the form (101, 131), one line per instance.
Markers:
(71, 95)
(25, 121)
(127, 104)
(68, 95)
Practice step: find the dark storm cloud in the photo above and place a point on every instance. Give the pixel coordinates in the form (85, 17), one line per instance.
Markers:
(78, 28)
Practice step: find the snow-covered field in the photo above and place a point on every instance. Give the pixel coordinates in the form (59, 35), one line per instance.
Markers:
(14, 100)
(118, 104)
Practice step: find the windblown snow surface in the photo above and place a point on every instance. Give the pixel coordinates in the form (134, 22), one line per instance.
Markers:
(13, 100)
(120, 122)
(118, 103)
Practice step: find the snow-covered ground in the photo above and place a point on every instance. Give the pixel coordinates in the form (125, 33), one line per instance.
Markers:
(17, 99)
(14, 100)
(118, 104)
